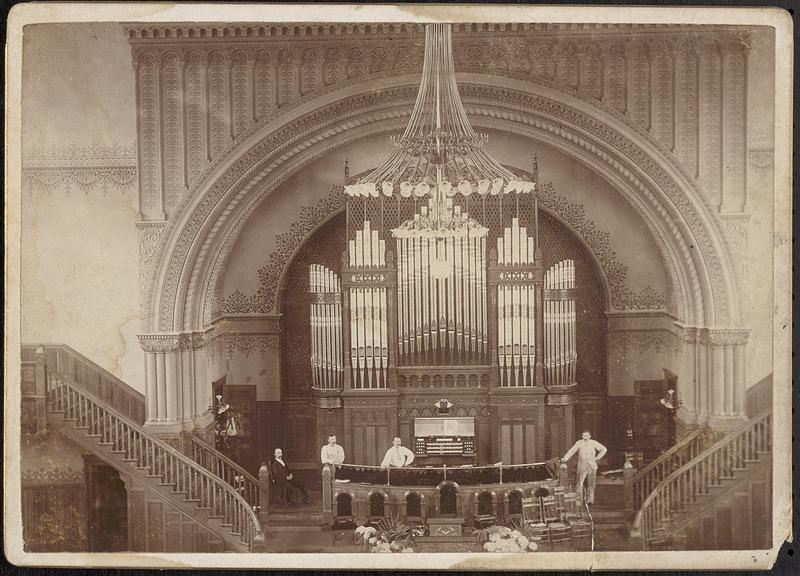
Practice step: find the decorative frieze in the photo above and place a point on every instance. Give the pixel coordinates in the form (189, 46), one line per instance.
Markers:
(643, 341)
(84, 169)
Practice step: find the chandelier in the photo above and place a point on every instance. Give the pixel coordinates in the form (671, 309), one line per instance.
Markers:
(439, 159)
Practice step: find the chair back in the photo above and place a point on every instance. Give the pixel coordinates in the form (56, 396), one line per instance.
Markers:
(531, 511)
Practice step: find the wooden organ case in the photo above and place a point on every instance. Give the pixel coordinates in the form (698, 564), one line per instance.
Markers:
(443, 292)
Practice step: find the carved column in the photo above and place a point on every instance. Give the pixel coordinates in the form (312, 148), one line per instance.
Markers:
(177, 395)
(710, 120)
(729, 383)
(734, 75)
(148, 108)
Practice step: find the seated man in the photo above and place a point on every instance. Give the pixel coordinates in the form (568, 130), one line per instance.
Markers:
(397, 455)
(283, 477)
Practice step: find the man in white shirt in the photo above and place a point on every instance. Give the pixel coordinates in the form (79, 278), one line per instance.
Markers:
(331, 452)
(589, 452)
(397, 456)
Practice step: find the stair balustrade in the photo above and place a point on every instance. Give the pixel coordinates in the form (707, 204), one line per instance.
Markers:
(696, 478)
(220, 465)
(161, 462)
(654, 473)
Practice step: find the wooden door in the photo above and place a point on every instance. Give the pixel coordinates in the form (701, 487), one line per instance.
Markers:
(653, 426)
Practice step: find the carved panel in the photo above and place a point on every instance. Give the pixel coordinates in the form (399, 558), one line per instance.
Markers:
(195, 120)
(332, 71)
(403, 63)
(240, 84)
(663, 92)
(217, 104)
(149, 139)
(355, 63)
(545, 62)
(173, 137)
(287, 78)
(687, 107)
(592, 72)
(617, 78)
(568, 66)
(308, 74)
(710, 121)
(263, 84)
(149, 235)
(640, 85)
(380, 61)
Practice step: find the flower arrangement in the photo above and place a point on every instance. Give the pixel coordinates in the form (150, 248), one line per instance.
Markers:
(391, 536)
(505, 539)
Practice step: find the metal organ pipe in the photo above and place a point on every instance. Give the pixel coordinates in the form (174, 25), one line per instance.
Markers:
(369, 329)
(516, 302)
(559, 319)
(326, 328)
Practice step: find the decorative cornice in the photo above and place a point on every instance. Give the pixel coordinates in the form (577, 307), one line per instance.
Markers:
(51, 476)
(641, 341)
(230, 344)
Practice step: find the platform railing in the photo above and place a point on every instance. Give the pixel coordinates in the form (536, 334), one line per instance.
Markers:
(220, 465)
(696, 478)
(161, 461)
(434, 475)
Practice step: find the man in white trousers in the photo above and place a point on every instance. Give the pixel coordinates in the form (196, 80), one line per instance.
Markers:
(589, 452)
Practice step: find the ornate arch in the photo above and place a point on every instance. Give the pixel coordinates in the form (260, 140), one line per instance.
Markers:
(195, 243)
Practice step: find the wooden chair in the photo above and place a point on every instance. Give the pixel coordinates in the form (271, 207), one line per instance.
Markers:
(560, 536)
(581, 534)
(540, 534)
(531, 512)
(572, 506)
(550, 506)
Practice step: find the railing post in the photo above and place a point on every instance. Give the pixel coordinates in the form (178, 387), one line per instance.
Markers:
(263, 495)
(327, 493)
(40, 391)
(563, 475)
(628, 473)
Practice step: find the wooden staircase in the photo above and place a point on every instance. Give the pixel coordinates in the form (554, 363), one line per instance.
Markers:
(163, 472)
(700, 496)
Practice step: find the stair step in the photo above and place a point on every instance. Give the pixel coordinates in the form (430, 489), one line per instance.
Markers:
(283, 529)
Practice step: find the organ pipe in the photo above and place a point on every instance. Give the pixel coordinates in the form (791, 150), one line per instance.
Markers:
(326, 328)
(559, 319)
(369, 330)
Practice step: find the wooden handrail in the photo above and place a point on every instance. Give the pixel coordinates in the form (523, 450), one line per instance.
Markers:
(217, 463)
(158, 458)
(695, 478)
(95, 380)
(651, 475)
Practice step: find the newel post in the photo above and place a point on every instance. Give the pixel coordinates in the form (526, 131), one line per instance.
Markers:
(327, 493)
(263, 495)
(40, 391)
(563, 475)
(628, 474)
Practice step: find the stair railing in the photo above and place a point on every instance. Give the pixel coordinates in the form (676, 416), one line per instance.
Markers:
(654, 473)
(88, 376)
(697, 477)
(220, 465)
(158, 458)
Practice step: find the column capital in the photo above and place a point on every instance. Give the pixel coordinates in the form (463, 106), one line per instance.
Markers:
(159, 342)
(728, 336)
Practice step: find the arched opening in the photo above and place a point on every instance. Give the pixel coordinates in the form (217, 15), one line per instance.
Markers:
(344, 506)
(377, 506)
(485, 503)
(413, 505)
(448, 499)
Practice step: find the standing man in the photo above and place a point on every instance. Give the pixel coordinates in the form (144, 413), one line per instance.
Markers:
(398, 455)
(284, 478)
(589, 452)
(331, 452)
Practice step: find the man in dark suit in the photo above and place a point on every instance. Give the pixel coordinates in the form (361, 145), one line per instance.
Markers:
(283, 477)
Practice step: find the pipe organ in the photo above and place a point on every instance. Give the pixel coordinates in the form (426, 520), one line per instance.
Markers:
(444, 293)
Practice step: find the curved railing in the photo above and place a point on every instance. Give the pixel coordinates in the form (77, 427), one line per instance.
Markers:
(654, 473)
(694, 479)
(433, 476)
(159, 459)
(220, 465)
